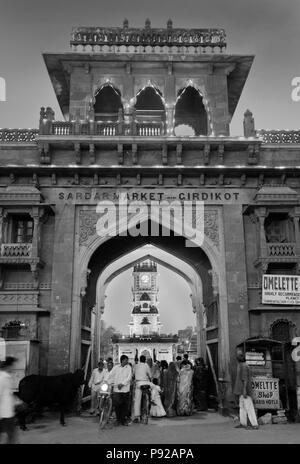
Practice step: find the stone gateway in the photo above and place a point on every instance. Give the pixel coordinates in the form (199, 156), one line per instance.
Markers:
(148, 117)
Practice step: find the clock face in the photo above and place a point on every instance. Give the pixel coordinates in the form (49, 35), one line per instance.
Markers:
(145, 279)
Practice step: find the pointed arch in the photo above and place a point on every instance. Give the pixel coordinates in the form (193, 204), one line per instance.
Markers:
(150, 113)
(190, 112)
(107, 102)
(149, 99)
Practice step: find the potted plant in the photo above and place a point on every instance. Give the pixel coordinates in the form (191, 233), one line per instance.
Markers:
(12, 329)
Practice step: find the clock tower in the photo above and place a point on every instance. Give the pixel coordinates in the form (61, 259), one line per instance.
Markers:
(145, 315)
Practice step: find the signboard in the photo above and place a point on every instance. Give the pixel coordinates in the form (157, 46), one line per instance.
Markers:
(281, 289)
(265, 392)
(254, 358)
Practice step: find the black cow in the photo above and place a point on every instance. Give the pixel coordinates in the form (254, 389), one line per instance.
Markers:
(38, 391)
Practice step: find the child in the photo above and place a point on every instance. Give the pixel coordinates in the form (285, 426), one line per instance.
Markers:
(157, 409)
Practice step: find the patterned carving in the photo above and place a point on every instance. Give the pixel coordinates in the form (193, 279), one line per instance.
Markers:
(18, 135)
(9, 298)
(211, 227)
(87, 225)
(148, 36)
(25, 286)
(88, 220)
(279, 136)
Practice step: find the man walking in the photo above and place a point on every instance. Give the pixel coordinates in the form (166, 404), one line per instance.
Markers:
(7, 402)
(142, 375)
(120, 377)
(242, 389)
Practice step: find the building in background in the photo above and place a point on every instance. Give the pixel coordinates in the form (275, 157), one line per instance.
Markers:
(145, 327)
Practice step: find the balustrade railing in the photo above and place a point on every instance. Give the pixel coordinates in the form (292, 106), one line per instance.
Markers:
(148, 129)
(62, 128)
(16, 250)
(281, 250)
(112, 128)
(106, 128)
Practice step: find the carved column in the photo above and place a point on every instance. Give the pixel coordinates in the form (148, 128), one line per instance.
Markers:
(35, 251)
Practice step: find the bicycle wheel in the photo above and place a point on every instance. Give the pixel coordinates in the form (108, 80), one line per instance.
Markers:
(105, 412)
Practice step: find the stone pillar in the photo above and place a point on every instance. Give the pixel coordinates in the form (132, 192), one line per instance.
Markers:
(61, 293)
(236, 278)
(170, 110)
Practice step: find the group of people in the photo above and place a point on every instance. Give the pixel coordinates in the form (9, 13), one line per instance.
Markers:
(176, 388)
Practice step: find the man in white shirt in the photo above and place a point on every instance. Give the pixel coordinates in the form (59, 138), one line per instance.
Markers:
(7, 402)
(99, 375)
(142, 375)
(120, 376)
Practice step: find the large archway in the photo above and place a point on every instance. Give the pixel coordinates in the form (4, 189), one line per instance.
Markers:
(99, 252)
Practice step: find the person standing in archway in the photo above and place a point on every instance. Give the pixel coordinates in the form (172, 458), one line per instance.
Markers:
(184, 396)
(242, 389)
(200, 383)
(170, 389)
(142, 375)
(120, 377)
(98, 376)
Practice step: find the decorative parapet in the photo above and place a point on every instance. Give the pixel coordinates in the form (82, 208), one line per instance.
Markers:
(281, 249)
(19, 298)
(279, 136)
(16, 249)
(117, 39)
(18, 135)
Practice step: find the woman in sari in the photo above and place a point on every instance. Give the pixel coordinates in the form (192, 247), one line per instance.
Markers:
(184, 397)
(170, 390)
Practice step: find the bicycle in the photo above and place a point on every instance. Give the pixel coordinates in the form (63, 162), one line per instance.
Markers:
(145, 403)
(104, 404)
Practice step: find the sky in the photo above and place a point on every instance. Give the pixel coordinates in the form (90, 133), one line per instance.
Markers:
(269, 29)
(174, 301)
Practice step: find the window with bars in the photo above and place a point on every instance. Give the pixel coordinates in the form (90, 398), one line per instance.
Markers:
(22, 229)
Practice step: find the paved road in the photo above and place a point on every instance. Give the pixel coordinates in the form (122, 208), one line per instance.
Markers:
(201, 428)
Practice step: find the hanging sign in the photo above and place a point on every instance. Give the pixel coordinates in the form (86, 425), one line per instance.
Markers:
(281, 289)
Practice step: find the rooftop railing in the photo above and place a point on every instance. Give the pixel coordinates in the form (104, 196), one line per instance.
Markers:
(279, 136)
(18, 135)
(126, 39)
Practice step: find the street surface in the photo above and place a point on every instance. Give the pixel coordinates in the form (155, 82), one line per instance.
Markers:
(205, 427)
